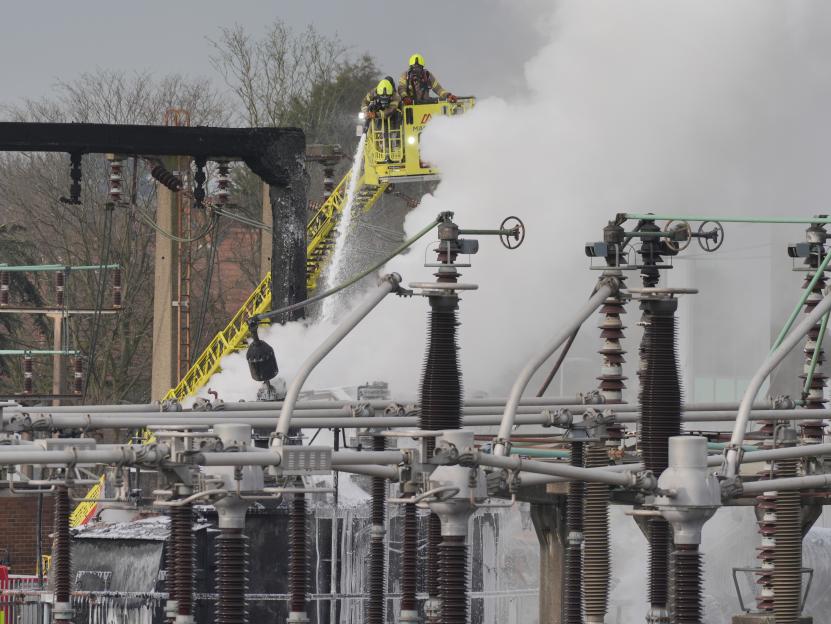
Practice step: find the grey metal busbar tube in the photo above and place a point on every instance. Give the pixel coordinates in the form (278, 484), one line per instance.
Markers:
(730, 467)
(389, 283)
(503, 438)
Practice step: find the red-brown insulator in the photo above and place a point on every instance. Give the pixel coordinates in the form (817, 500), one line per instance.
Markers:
(62, 565)
(28, 375)
(78, 375)
(5, 281)
(117, 288)
(60, 284)
(116, 181)
(166, 178)
(232, 577)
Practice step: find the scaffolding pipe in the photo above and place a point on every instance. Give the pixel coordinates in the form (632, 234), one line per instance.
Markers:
(389, 283)
(504, 436)
(730, 467)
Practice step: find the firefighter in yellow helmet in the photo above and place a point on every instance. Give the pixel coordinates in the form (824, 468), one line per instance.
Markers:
(416, 83)
(381, 102)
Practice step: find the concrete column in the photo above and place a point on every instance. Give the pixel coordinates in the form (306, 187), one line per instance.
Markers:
(164, 284)
(290, 213)
(550, 524)
(266, 236)
(58, 368)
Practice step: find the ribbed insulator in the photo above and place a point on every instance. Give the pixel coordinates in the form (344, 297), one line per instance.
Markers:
(166, 178)
(170, 564)
(61, 551)
(409, 559)
(454, 591)
(377, 547)
(28, 375)
(815, 396)
(441, 381)
(60, 285)
(183, 567)
(660, 395)
(787, 560)
(5, 283)
(232, 577)
(658, 532)
(298, 555)
(433, 560)
(766, 521)
(686, 576)
(78, 375)
(596, 567)
(116, 288)
(572, 597)
(611, 331)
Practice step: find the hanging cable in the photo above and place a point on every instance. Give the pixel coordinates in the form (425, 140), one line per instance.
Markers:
(106, 245)
(203, 306)
(167, 234)
(257, 319)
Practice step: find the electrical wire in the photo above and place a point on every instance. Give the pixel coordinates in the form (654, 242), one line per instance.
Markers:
(106, 245)
(167, 234)
(243, 219)
(255, 320)
(203, 306)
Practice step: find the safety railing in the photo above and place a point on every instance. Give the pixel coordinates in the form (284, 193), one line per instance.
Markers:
(385, 141)
(86, 508)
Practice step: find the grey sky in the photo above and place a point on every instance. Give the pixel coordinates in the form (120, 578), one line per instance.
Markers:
(474, 46)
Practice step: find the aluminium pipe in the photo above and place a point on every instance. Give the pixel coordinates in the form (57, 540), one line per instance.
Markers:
(509, 415)
(124, 455)
(590, 475)
(730, 466)
(385, 472)
(789, 483)
(389, 283)
(273, 458)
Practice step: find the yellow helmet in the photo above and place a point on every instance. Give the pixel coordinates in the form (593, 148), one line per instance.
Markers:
(416, 59)
(384, 87)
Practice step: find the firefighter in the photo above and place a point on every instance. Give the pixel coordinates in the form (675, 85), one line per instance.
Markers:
(382, 102)
(416, 83)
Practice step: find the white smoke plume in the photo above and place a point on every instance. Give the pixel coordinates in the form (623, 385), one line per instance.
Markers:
(699, 107)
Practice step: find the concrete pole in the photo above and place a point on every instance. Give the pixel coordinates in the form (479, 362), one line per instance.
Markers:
(266, 242)
(290, 213)
(164, 284)
(550, 524)
(58, 368)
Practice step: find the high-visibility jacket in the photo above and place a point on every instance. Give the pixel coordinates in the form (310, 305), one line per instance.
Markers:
(384, 107)
(418, 89)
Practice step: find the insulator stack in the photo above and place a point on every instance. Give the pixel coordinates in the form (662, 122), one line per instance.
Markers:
(61, 554)
(5, 283)
(78, 375)
(409, 559)
(441, 408)
(181, 519)
(60, 285)
(166, 178)
(650, 255)
(596, 567)
(787, 560)
(170, 569)
(611, 331)
(441, 385)
(454, 578)
(766, 521)
(117, 288)
(377, 547)
(660, 401)
(814, 394)
(811, 431)
(116, 181)
(433, 582)
(223, 184)
(572, 598)
(686, 575)
(232, 577)
(298, 556)
(28, 375)
(199, 179)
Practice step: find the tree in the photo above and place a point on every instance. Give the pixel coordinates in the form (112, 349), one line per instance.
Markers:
(30, 185)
